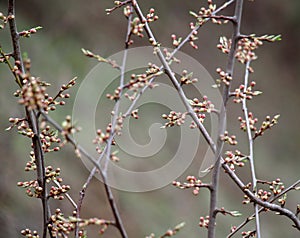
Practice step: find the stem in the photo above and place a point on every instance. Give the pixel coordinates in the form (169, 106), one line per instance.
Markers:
(250, 140)
(32, 120)
(121, 85)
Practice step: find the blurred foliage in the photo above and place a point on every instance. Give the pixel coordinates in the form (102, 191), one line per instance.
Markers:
(55, 52)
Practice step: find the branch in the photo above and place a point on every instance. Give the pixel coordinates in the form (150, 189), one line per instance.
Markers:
(107, 150)
(222, 120)
(32, 120)
(250, 141)
(170, 74)
(253, 198)
(202, 129)
(250, 218)
(94, 162)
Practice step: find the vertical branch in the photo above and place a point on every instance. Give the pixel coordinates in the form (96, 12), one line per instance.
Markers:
(32, 120)
(121, 86)
(250, 140)
(107, 149)
(222, 120)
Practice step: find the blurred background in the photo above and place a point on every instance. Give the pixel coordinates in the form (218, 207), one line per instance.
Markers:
(56, 57)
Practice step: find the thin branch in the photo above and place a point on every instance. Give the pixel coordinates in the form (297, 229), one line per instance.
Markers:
(121, 86)
(10, 66)
(220, 17)
(32, 120)
(66, 194)
(107, 150)
(95, 163)
(250, 141)
(121, 4)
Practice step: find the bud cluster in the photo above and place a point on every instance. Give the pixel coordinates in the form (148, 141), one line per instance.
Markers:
(204, 13)
(137, 82)
(235, 158)
(174, 118)
(267, 124)
(3, 20)
(224, 44)
(58, 192)
(68, 128)
(48, 137)
(245, 93)
(28, 33)
(252, 121)
(32, 188)
(102, 138)
(248, 234)
(224, 77)
(29, 233)
(204, 221)
(201, 107)
(33, 94)
(231, 140)
(62, 226)
(176, 41)
(187, 78)
(192, 182)
(245, 49)
(170, 58)
(137, 26)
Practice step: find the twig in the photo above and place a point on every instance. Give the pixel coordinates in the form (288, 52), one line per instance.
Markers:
(66, 194)
(250, 141)
(117, 106)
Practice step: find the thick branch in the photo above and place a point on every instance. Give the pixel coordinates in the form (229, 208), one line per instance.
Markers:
(222, 119)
